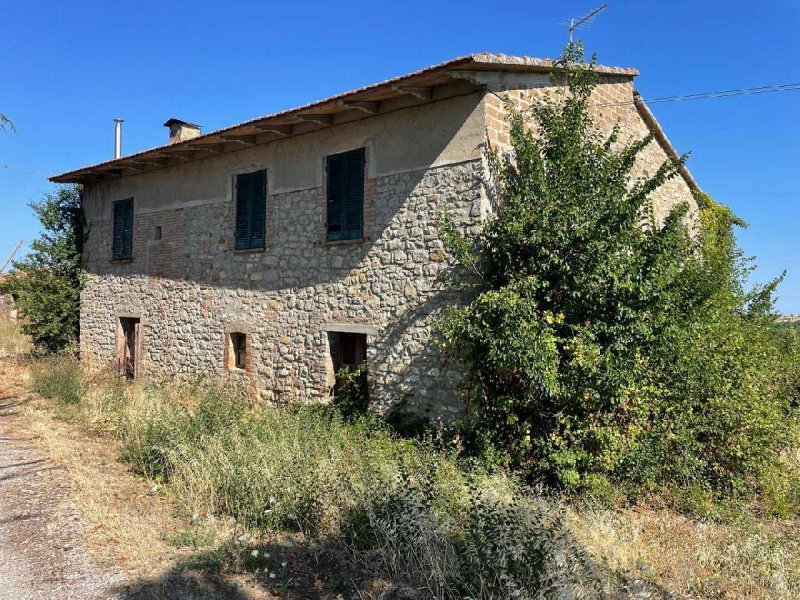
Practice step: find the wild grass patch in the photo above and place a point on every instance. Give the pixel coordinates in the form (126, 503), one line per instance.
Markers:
(59, 377)
(13, 343)
(405, 511)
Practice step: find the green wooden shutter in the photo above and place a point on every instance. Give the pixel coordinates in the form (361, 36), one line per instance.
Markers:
(127, 244)
(336, 168)
(242, 212)
(258, 209)
(354, 203)
(122, 235)
(251, 210)
(119, 224)
(345, 195)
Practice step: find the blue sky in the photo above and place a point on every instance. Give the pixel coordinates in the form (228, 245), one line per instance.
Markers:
(69, 67)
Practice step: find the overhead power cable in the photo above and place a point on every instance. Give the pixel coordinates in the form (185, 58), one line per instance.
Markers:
(766, 89)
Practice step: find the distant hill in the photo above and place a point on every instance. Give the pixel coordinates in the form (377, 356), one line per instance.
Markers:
(790, 320)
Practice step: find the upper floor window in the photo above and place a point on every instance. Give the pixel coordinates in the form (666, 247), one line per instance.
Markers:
(122, 244)
(345, 195)
(251, 210)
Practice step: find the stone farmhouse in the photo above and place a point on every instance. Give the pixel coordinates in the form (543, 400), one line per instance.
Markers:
(282, 248)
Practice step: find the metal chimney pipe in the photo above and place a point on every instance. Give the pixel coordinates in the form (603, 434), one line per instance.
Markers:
(118, 137)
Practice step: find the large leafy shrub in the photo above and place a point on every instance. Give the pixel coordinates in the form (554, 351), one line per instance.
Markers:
(604, 345)
(46, 283)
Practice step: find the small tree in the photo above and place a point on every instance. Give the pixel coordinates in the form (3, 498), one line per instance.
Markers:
(46, 283)
(586, 312)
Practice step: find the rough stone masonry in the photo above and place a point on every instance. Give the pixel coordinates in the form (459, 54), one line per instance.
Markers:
(188, 288)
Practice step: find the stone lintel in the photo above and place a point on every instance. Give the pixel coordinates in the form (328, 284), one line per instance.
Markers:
(350, 328)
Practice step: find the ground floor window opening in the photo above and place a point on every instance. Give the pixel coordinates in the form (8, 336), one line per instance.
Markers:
(349, 358)
(128, 346)
(237, 351)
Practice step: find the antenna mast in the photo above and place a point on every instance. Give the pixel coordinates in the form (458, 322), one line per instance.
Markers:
(10, 256)
(573, 24)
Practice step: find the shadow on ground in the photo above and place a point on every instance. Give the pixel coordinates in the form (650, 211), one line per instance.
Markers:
(302, 573)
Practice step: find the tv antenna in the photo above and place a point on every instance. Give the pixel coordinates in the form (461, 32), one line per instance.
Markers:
(575, 24)
(8, 260)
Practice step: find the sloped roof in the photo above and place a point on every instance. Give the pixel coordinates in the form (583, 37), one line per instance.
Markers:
(420, 85)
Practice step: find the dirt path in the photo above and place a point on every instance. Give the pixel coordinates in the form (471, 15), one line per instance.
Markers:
(42, 551)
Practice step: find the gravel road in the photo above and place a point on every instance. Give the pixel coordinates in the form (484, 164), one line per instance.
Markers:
(42, 554)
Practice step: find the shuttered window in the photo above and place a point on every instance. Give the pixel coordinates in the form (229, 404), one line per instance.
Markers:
(122, 244)
(251, 210)
(345, 197)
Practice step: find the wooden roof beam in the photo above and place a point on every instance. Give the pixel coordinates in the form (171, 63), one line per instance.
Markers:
(371, 108)
(147, 162)
(281, 130)
(247, 140)
(182, 155)
(213, 148)
(189, 151)
(92, 175)
(319, 119)
(420, 92)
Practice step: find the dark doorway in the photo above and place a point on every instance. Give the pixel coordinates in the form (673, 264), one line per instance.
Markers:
(348, 352)
(129, 346)
(238, 349)
(348, 349)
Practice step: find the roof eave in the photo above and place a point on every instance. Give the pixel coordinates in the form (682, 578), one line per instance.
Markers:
(317, 112)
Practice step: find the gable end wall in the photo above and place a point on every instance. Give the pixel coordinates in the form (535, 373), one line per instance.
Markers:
(613, 104)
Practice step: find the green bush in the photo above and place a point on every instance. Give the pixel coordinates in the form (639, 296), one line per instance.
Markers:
(59, 377)
(605, 347)
(46, 283)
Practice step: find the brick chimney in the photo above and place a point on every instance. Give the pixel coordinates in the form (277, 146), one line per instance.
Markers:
(181, 130)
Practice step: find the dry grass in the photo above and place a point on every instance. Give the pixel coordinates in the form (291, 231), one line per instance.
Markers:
(746, 559)
(13, 343)
(126, 519)
(128, 522)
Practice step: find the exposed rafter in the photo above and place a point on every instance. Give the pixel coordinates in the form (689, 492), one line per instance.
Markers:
(213, 148)
(319, 119)
(247, 140)
(182, 155)
(371, 108)
(282, 130)
(422, 93)
(188, 151)
(148, 162)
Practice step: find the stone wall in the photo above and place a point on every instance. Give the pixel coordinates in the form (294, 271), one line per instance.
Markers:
(611, 105)
(190, 289)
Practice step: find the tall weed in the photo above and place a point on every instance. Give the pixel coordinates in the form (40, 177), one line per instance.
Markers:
(59, 377)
